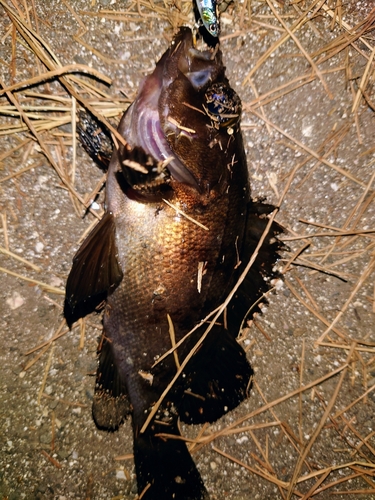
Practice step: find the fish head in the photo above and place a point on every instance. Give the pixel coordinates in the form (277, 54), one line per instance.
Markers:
(187, 115)
(200, 113)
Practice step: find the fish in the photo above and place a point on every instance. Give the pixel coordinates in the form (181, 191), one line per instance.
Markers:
(179, 229)
(209, 16)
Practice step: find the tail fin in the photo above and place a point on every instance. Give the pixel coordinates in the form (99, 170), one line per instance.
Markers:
(164, 467)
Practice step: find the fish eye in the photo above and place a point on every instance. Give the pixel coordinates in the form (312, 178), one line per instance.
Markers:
(223, 106)
(199, 79)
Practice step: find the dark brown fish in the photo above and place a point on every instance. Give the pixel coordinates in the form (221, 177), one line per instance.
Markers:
(179, 229)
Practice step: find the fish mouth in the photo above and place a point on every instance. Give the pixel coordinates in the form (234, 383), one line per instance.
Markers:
(155, 115)
(198, 66)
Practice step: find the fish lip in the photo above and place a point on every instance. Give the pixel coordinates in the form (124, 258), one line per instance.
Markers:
(185, 37)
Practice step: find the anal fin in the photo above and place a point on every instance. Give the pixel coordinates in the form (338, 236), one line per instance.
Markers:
(110, 405)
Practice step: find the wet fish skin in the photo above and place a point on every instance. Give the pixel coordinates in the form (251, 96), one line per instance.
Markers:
(152, 262)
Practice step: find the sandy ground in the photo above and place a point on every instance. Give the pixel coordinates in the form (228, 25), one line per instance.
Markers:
(308, 428)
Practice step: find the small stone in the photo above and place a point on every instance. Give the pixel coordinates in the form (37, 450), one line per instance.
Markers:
(95, 206)
(42, 488)
(53, 404)
(45, 438)
(120, 474)
(39, 247)
(63, 454)
(15, 301)
(242, 439)
(78, 59)
(42, 180)
(49, 390)
(55, 281)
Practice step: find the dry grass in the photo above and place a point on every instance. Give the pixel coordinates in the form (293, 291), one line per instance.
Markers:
(344, 250)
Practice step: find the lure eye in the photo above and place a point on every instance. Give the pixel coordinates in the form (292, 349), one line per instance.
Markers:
(213, 29)
(222, 105)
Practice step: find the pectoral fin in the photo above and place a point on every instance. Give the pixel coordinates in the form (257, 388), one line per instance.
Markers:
(143, 172)
(95, 271)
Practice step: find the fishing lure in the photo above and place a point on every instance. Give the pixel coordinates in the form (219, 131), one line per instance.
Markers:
(208, 12)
